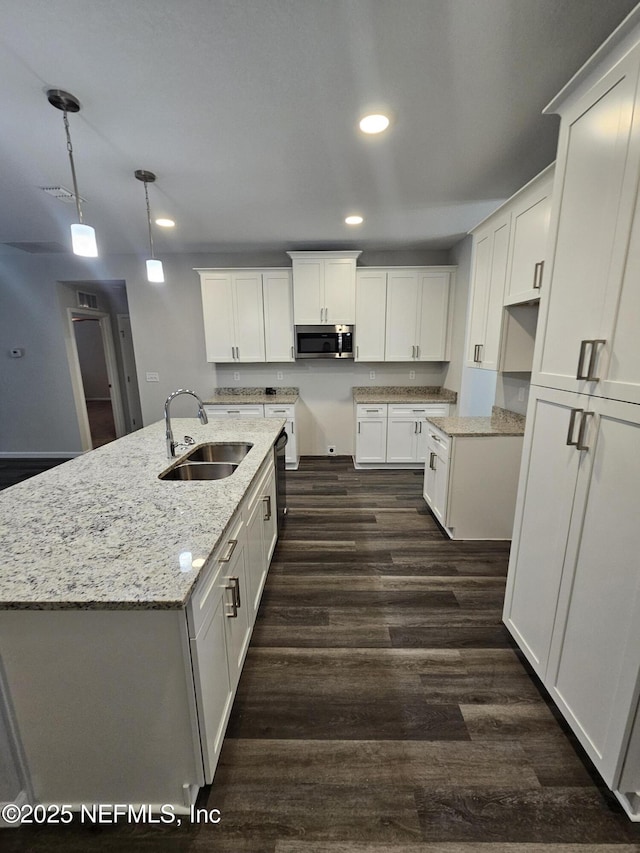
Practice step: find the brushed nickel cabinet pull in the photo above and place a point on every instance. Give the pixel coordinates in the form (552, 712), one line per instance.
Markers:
(359, 426)
(582, 432)
(432, 460)
(357, 351)
(591, 377)
(234, 604)
(292, 353)
(583, 351)
(232, 548)
(418, 351)
(572, 424)
(537, 275)
(268, 502)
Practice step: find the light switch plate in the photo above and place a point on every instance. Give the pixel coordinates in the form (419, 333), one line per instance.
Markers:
(153, 377)
(521, 395)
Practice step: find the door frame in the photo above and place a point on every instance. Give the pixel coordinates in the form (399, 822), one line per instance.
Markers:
(112, 374)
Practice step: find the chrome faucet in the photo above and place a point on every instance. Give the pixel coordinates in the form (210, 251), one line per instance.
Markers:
(171, 447)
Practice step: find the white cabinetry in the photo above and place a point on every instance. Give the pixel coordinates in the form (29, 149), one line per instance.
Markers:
(261, 521)
(234, 410)
(371, 433)
(324, 287)
(277, 295)
(417, 316)
(371, 307)
(470, 483)
(233, 315)
(573, 589)
(248, 314)
(393, 433)
(530, 213)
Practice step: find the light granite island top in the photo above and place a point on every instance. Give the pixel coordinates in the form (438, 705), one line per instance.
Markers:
(501, 422)
(398, 394)
(103, 532)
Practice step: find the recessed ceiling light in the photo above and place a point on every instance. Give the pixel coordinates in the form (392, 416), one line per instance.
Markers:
(165, 223)
(354, 220)
(374, 123)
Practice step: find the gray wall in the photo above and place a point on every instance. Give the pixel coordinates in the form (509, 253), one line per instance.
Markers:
(93, 365)
(508, 388)
(37, 410)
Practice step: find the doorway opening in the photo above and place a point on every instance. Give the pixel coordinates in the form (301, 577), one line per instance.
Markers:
(95, 379)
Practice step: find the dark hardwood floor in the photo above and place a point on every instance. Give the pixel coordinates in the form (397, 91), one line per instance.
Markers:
(383, 707)
(14, 470)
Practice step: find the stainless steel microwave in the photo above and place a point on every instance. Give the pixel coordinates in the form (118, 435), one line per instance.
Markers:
(324, 342)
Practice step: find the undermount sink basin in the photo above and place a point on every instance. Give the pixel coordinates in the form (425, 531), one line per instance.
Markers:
(232, 451)
(200, 471)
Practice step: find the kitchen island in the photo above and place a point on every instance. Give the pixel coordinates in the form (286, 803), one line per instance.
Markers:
(126, 608)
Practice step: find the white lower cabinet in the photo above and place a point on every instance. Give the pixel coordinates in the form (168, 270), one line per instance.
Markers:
(262, 533)
(470, 482)
(394, 433)
(582, 584)
(266, 410)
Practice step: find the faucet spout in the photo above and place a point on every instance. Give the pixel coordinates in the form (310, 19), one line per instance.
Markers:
(171, 447)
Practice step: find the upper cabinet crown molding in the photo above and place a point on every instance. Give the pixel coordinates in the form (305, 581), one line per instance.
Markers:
(296, 256)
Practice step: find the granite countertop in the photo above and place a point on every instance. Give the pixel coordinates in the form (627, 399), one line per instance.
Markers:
(501, 422)
(103, 532)
(409, 394)
(225, 396)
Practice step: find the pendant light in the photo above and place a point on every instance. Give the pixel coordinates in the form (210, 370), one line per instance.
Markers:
(83, 237)
(155, 273)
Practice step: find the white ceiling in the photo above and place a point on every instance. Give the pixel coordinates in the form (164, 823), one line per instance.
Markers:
(247, 112)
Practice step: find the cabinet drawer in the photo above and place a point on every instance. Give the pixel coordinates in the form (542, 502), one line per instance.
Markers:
(212, 575)
(274, 411)
(258, 490)
(437, 441)
(371, 411)
(419, 410)
(255, 410)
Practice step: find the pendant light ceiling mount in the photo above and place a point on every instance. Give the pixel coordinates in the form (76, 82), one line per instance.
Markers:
(155, 272)
(83, 237)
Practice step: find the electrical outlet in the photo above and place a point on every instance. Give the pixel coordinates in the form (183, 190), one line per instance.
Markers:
(279, 375)
(236, 375)
(412, 374)
(153, 377)
(372, 374)
(521, 395)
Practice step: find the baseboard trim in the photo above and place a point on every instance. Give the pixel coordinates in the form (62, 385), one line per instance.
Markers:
(37, 454)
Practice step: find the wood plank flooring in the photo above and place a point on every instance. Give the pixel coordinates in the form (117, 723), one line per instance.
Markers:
(383, 707)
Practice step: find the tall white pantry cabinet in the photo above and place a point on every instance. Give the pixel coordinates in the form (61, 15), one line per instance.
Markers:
(573, 589)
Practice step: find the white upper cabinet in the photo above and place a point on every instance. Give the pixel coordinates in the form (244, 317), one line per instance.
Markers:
(491, 247)
(233, 315)
(278, 315)
(371, 306)
(588, 323)
(418, 317)
(324, 287)
(530, 214)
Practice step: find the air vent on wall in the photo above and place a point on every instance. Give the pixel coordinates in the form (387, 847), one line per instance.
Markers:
(62, 194)
(87, 300)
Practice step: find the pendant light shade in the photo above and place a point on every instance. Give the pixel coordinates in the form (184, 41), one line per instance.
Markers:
(83, 237)
(155, 272)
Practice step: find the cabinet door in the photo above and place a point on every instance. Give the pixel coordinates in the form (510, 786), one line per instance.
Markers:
(594, 662)
(218, 314)
(433, 316)
(490, 351)
(479, 295)
(371, 306)
(402, 438)
(529, 230)
(249, 316)
(402, 315)
(436, 481)
(308, 291)
(371, 440)
(339, 290)
(277, 293)
(237, 623)
(548, 474)
(291, 449)
(256, 566)
(269, 518)
(597, 176)
(214, 694)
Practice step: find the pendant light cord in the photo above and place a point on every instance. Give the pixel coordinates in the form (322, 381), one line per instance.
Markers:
(146, 195)
(73, 168)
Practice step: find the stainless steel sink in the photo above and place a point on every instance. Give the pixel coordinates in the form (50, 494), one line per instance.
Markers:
(232, 451)
(200, 471)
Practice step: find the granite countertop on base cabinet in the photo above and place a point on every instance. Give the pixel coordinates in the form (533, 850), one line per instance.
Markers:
(410, 394)
(501, 422)
(285, 396)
